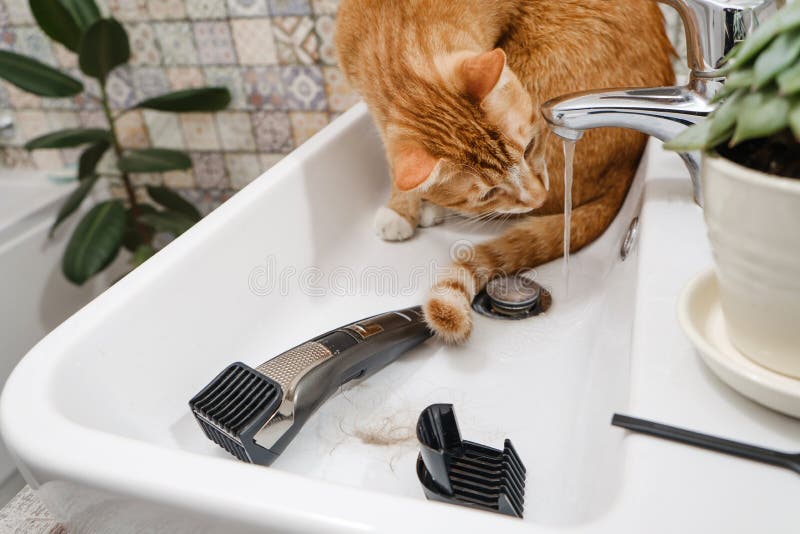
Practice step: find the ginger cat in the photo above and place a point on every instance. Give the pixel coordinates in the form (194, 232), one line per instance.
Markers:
(455, 88)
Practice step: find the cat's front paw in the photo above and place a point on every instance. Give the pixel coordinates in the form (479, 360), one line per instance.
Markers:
(449, 314)
(391, 226)
(431, 214)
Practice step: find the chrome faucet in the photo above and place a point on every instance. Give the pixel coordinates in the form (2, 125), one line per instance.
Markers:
(712, 27)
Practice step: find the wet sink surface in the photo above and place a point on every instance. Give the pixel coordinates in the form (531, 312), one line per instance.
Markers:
(294, 255)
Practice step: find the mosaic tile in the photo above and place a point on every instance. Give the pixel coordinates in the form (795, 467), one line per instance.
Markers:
(15, 158)
(209, 170)
(199, 131)
(60, 103)
(263, 88)
(206, 9)
(8, 38)
(12, 136)
(326, 28)
(143, 44)
(269, 160)
(295, 40)
(208, 200)
(179, 179)
(214, 43)
(325, 7)
(176, 42)
(185, 77)
(5, 100)
(164, 129)
(4, 18)
(32, 42)
(304, 88)
(22, 99)
(92, 119)
(49, 160)
(89, 98)
(289, 7)
(166, 9)
(128, 10)
(60, 120)
(19, 12)
(235, 131)
(305, 124)
(255, 44)
(131, 130)
(120, 89)
(340, 96)
(149, 82)
(70, 157)
(242, 169)
(143, 179)
(273, 131)
(32, 124)
(231, 78)
(247, 8)
(64, 58)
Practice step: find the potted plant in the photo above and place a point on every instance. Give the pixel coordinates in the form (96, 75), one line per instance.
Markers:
(751, 192)
(102, 45)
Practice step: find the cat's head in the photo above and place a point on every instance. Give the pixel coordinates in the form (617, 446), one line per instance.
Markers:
(471, 140)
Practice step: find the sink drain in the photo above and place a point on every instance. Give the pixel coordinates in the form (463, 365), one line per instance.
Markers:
(512, 297)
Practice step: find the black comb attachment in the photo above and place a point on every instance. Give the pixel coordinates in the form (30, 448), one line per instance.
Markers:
(462, 472)
(234, 406)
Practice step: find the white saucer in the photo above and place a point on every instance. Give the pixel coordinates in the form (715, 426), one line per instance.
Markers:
(700, 315)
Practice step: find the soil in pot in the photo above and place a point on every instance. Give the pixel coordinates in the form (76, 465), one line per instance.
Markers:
(778, 154)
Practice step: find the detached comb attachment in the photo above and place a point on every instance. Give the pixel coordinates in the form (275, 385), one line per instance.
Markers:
(467, 473)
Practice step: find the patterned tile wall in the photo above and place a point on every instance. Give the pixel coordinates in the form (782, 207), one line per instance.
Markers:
(276, 57)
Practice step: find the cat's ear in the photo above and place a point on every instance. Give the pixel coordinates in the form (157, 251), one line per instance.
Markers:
(480, 74)
(412, 165)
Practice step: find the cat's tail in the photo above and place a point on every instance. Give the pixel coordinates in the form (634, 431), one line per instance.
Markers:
(531, 242)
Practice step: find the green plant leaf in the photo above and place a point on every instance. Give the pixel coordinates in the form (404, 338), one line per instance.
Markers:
(57, 22)
(68, 138)
(789, 80)
(693, 138)
(760, 115)
(784, 20)
(141, 255)
(73, 201)
(794, 118)
(202, 99)
(171, 222)
(131, 239)
(153, 160)
(95, 242)
(90, 158)
(739, 79)
(780, 54)
(723, 120)
(104, 47)
(170, 199)
(35, 77)
(84, 12)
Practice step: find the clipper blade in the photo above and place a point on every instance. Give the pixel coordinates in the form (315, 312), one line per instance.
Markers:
(466, 473)
(234, 406)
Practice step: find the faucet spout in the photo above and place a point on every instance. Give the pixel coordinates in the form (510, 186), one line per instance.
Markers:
(662, 112)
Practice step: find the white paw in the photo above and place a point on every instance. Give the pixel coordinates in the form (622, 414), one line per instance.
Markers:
(391, 226)
(431, 214)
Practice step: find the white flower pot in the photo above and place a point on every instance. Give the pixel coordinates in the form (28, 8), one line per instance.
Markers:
(753, 223)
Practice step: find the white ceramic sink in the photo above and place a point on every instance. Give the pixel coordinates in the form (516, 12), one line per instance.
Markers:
(96, 414)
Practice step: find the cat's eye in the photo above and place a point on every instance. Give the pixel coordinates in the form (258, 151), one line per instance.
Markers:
(529, 148)
(488, 195)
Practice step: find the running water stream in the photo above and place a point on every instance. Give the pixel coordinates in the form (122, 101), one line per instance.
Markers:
(569, 156)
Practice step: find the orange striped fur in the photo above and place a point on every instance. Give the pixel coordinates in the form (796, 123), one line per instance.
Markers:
(455, 88)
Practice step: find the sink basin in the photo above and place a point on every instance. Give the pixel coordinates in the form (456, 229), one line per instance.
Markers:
(96, 414)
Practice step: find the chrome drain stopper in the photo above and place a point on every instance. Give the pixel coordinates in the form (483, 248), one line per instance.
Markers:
(512, 297)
